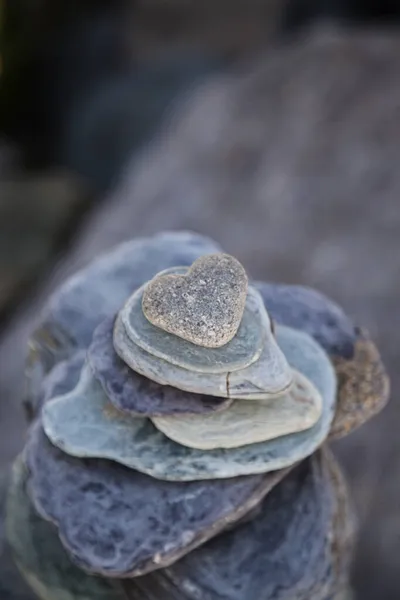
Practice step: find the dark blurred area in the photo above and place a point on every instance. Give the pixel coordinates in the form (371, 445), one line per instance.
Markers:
(271, 125)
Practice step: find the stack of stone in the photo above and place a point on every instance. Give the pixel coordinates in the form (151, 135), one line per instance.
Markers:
(179, 419)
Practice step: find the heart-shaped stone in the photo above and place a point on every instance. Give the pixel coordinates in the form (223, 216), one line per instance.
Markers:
(204, 306)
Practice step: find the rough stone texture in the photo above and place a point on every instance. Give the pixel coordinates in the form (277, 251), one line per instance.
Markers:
(267, 377)
(132, 393)
(248, 422)
(363, 384)
(204, 306)
(99, 290)
(81, 303)
(297, 547)
(253, 333)
(46, 564)
(82, 425)
(40, 555)
(104, 511)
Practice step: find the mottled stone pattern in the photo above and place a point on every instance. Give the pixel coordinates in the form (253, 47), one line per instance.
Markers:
(364, 387)
(81, 425)
(131, 392)
(40, 555)
(205, 306)
(111, 509)
(289, 550)
(201, 574)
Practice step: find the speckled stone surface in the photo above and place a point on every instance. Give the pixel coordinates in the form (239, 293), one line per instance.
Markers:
(83, 425)
(245, 347)
(133, 393)
(40, 555)
(363, 384)
(118, 522)
(248, 422)
(297, 547)
(204, 306)
(266, 377)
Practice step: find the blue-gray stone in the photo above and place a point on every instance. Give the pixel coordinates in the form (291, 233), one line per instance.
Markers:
(117, 522)
(297, 547)
(133, 393)
(82, 424)
(40, 556)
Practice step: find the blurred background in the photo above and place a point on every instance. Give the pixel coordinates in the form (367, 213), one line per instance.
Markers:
(271, 125)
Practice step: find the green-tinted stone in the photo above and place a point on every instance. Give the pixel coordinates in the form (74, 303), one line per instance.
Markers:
(245, 347)
(84, 424)
(267, 377)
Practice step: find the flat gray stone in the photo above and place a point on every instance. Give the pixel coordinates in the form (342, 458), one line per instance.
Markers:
(131, 392)
(204, 306)
(247, 422)
(117, 522)
(40, 556)
(83, 424)
(268, 376)
(98, 291)
(246, 346)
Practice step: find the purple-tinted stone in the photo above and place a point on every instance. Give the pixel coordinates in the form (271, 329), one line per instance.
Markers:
(136, 394)
(117, 522)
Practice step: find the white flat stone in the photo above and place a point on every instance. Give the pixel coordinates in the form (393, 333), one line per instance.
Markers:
(247, 422)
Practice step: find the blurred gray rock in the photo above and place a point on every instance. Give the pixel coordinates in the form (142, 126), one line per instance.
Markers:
(37, 215)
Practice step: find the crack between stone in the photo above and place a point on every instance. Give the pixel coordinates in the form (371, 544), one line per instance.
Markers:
(227, 385)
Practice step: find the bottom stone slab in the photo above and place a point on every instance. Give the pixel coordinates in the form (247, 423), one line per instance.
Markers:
(296, 546)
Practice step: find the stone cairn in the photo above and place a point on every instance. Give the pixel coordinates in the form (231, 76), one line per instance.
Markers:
(177, 449)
